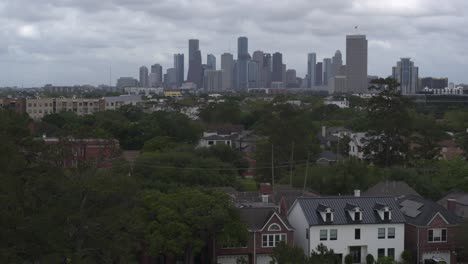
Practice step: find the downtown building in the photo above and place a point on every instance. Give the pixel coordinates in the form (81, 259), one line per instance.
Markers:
(356, 64)
(144, 81)
(407, 75)
(195, 71)
(243, 58)
(227, 67)
(179, 68)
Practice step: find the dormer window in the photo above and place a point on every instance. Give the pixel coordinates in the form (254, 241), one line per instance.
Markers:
(357, 216)
(384, 211)
(354, 212)
(326, 213)
(328, 217)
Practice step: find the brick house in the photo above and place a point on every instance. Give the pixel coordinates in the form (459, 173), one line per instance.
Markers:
(430, 231)
(72, 152)
(266, 229)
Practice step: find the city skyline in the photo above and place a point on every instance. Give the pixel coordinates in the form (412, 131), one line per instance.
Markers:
(51, 47)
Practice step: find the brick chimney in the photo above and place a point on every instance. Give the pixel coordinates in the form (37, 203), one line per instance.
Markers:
(452, 204)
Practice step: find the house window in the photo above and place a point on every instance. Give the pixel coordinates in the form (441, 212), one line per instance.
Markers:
(357, 216)
(328, 217)
(391, 253)
(333, 234)
(386, 215)
(271, 240)
(381, 233)
(391, 233)
(274, 227)
(323, 234)
(357, 233)
(380, 253)
(437, 235)
(210, 143)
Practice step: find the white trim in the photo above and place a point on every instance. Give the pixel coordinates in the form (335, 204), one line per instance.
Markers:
(274, 239)
(271, 217)
(443, 218)
(274, 224)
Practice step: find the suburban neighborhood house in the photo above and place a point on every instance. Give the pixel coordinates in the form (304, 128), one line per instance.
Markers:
(357, 226)
(357, 145)
(430, 232)
(456, 201)
(233, 136)
(266, 230)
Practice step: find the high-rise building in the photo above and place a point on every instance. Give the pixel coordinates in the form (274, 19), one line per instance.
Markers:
(143, 76)
(291, 79)
(211, 62)
(227, 66)
(277, 73)
(261, 74)
(170, 79)
(337, 62)
(311, 63)
(327, 70)
(356, 64)
(195, 71)
(283, 74)
(179, 67)
(213, 80)
(267, 69)
(407, 75)
(243, 58)
(252, 74)
(157, 69)
(434, 83)
(318, 74)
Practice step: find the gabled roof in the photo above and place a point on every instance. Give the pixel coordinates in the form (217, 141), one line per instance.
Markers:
(391, 188)
(369, 216)
(425, 211)
(460, 196)
(256, 218)
(351, 207)
(381, 206)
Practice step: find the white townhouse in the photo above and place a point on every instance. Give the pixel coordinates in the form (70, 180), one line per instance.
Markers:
(357, 226)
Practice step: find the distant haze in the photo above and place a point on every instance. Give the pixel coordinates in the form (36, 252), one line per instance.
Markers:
(67, 42)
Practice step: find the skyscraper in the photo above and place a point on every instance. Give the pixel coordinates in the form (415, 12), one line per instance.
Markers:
(356, 64)
(227, 66)
(211, 62)
(311, 62)
(407, 75)
(213, 80)
(291, 79)
(179, 67)
(283, 74)
(157, 72)
(252, 73)
(327, 70)
(243, 58)
(318, 74)
(195, 71)
(170, 79)
(258, 58)
(267, 69)
(337, 62)
(277, 73)
(143, 76)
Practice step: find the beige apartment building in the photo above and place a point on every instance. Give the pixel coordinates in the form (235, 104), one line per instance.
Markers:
(40, 107)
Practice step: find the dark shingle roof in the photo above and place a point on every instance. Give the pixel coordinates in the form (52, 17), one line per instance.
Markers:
(338, 204)
(427, 211)
(256, 218)
(390, 188)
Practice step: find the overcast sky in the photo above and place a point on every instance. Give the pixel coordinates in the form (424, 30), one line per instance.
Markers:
(67, 42)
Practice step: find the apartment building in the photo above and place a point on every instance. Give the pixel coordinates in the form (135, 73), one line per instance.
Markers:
(37, 108)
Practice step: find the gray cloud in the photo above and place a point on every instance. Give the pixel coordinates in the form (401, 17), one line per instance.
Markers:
(75, 41)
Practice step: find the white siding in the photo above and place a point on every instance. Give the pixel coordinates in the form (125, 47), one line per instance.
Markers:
(369, 239)
(297, 219)
(230, 259)
(263, 259)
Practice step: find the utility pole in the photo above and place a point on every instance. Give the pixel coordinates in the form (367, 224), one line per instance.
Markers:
(272, 168)
(291, 165)
(306, 173)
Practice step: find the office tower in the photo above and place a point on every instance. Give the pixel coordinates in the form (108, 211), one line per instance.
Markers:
(211, 62)
(143, 76)
(311, 62)
(318, 74)
(327, 70)
(277, 73)
(170, 79)
(158, 73)
(153, 80)
(356, 64)
(434, 83)
(213, 80)
(179, 67)
(124, 82)
(227, 66)
(291, 79)
(252, 74)
(195, 71)
(407, 75)
(267, 69)
(243, 58)
(337, 62)
(283, 74)
(261, 73)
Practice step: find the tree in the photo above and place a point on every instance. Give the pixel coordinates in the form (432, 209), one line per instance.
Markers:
(322, 255)
(406, 256)
(390, 124)
(349, 259)
(180, 223)
(285, 254)
(370, 259)
(385, 260)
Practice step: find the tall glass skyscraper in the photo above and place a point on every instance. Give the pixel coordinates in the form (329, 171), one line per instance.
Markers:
(356, 64)
(277, 74)
(407, 75)
(179, 68)
(311, 62)
(243, 58)
(195, 71)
